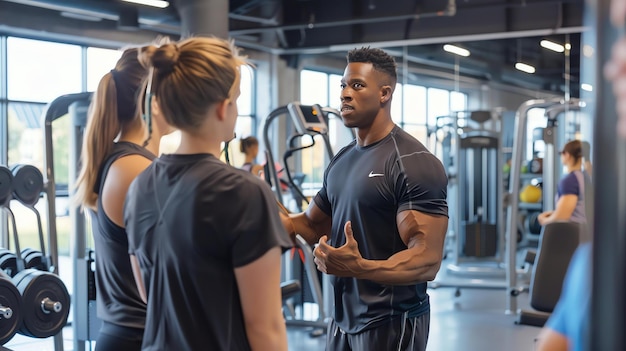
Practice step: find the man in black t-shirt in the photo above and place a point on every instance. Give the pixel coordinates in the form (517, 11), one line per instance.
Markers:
(379, 220)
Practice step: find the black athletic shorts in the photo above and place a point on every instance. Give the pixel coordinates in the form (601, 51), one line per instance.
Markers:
(399, 334)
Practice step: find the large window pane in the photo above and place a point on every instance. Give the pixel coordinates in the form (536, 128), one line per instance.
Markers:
(244, 102)
(334, 91)
(313, 88)
(26, 148)
(243, 129)
(26, 134)
(32, 78)
(414, 104)
(396, 104)
(99, 62)
(458, 101)
(419, 132)
(338, 134)
(536, 118)
(438, 104)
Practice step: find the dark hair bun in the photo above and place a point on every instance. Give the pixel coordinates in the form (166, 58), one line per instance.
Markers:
(165, 57)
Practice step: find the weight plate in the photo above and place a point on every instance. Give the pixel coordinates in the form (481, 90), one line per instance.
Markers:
(533, 223)
(6, 185)
(9, 298)
(27, 184)
(8, 262)
(35, 287)
(34, 260)
(25, 252)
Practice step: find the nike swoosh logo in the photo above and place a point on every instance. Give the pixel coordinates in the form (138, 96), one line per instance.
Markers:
(372, 174)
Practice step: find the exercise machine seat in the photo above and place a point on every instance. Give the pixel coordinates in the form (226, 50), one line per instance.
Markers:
(557, 244)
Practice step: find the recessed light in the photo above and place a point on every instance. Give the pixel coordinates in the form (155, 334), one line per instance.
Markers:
(456, 50)
(525, 67)
(154, 3)
(552, 46)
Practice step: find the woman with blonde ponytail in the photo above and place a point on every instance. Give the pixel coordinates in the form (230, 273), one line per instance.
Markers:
(115, 151)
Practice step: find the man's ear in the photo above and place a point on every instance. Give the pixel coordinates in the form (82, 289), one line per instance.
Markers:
(385, 94)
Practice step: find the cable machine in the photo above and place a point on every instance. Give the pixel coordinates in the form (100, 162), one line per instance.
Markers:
(553, 107)
(308, 121)
(470, 144)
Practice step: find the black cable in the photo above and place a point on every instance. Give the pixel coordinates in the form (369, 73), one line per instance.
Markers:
(225, 152)
(288, 154)
(225, 149)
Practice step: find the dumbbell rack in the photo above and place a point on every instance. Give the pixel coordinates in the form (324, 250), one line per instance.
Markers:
(44, 301)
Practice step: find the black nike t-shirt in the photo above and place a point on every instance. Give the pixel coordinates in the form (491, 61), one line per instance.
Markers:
(369, 186)
(191, 221)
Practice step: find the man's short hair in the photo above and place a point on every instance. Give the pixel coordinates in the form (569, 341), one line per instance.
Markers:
(380, 60)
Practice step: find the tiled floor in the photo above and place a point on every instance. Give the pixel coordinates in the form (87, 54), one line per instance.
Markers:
(473, 321)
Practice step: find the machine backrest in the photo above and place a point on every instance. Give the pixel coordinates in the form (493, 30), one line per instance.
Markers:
(557, 244)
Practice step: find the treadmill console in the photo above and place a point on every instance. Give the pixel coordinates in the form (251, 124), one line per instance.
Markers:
(307, 118)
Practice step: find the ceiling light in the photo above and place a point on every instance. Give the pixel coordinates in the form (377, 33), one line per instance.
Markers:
(586, 87)
(80, 16)
(525, 68)
(154, 3)
(456, 50)
(552, 46)
(568, 46)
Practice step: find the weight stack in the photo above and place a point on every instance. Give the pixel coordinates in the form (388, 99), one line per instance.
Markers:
(480, 239)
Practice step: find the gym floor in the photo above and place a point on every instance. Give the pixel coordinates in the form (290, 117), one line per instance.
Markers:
(473, 321)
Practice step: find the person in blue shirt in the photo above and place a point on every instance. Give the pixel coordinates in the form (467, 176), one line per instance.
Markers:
(567, 327)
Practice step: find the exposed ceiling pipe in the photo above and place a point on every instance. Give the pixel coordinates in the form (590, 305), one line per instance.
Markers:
(500, 4)
(95, 10)
(268, 21)
(414, 42)
(450, 10)
(103, 11)
(85, 8)
(462, 38)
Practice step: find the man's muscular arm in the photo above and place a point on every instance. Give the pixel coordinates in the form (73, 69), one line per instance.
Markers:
(423, 235)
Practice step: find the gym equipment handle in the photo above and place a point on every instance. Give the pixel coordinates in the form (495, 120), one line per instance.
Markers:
(48, 306)
(6, 312)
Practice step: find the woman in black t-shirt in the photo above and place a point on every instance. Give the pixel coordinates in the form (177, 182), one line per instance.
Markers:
(206, 236)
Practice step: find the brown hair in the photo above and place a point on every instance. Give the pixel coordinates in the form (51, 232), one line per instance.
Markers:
(113, 105)
(574, 148)
(191, 75)
(246, 143)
